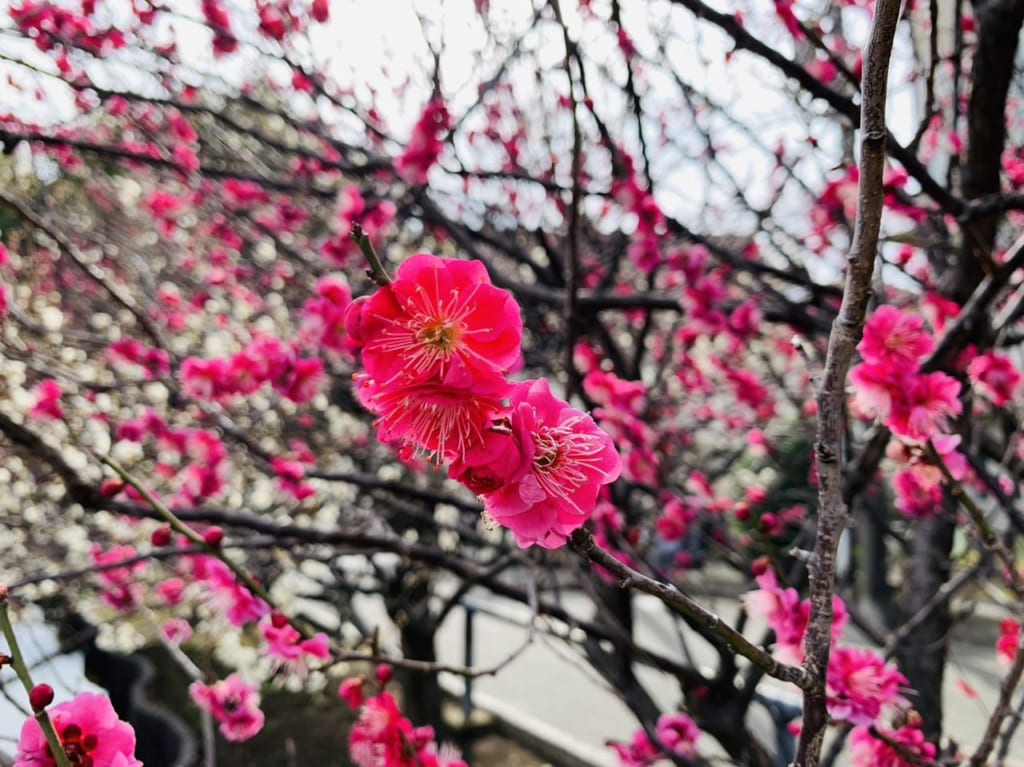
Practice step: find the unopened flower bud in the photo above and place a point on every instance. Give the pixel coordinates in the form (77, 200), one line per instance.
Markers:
(213, 537)
(278, 620)
(111, 487)
(760, 566)
(40, 697)
(161, 536)
(384, 673)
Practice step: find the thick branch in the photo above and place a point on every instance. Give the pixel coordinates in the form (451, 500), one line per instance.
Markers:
(846, 331)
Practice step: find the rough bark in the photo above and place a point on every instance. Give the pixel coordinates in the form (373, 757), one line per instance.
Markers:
(846, 332)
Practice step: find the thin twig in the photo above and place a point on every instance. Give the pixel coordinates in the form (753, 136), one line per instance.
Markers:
(583, 542)
(17, 661)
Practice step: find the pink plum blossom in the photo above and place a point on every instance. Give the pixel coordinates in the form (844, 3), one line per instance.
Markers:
(323, 317)
(676, 732)
(442, 420)
(119, 586)
(639, 752)
(47, 405)
(425, 145)
(351, 691)
(89, 730)
(233, 703)
(995, 377)
(560, 460)
(788, 616)
(930, 402)
(383, 737)
(895, 339)
(177, 631)
(288, 649)
(440, 321)
(226, 594)
(611, 391)
(869, 751)
(861, 685)
(302, 380)
(1009, 640)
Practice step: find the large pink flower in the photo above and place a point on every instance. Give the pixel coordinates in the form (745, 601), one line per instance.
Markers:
(546, 471)
(233, 703)
(895, 339)
(443, 420)
(861, 686)
(925, 408)
(89, 730)
(441, 321)
(875, 387)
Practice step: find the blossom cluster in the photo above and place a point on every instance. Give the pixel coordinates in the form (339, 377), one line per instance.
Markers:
(627, 191)
(425, 145)
(264, 360)
(916, 406)
(234, 703)
(861, 687)
(675, 733)
(889, 383)
(375, 220)
(382, 736)
(437, 346)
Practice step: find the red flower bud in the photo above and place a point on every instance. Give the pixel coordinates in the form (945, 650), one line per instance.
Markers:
(768, 523)
(111, 487)
(161, 536)
(278, 620)
(40, 697)
(760, 566)
(384, 673)
(213, 537)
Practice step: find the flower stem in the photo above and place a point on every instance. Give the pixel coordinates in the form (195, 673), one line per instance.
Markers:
(377, 271)
(18, 663)
(180, 527)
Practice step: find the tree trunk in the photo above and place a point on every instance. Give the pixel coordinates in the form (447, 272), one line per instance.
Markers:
(923, 653)
(873, 591)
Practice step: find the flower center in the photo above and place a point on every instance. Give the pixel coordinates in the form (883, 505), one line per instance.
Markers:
(442, 334)
(550, 452)
(77, 745)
